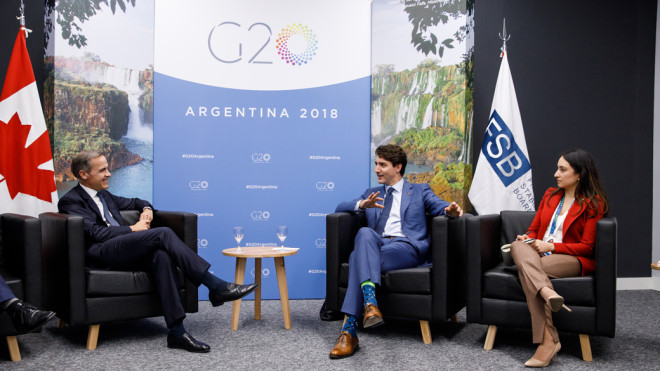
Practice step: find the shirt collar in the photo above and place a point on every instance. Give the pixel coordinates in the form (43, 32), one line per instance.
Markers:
(398, 186)
(91, 192)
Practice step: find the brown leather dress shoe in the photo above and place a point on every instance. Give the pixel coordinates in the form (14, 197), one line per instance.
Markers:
(345, 347)
(372, 316)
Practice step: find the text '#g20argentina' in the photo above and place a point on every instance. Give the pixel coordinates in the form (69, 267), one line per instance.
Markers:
(502, 152)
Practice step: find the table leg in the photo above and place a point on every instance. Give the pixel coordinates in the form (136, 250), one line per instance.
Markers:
(284, 293)
(257, 292)
(238, 279)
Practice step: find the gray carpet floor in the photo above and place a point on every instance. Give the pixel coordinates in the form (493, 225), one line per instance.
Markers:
(265, 344)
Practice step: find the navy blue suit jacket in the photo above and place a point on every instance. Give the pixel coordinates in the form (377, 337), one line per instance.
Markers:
(416, 201)
(78, 202)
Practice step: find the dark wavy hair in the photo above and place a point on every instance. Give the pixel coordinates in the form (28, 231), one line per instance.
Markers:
(589, 186)
(394, 154)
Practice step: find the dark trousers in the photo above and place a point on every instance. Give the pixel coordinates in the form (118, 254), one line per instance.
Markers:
(371, 256)
(5, 291)
(159, 251)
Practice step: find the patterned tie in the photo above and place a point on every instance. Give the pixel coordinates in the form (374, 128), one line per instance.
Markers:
(106, 212)
(380, 228)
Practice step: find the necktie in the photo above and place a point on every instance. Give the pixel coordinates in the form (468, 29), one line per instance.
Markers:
(106, 212)
(386, 212)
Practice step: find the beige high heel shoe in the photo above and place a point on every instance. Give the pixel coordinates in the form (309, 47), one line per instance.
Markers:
(533, 362)
(554, 300)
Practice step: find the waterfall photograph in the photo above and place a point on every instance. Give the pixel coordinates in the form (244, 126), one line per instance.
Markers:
(100, 62)
(421, 89)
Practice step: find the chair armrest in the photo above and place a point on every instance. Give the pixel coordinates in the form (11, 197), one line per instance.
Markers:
(182, 223)
(63, 263)
(21, 241)
(341, 229)
(482, 238)
(440, 258)
(605, 275)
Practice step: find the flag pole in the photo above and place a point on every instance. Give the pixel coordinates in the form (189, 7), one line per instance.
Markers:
(504, 37)
(21, 18)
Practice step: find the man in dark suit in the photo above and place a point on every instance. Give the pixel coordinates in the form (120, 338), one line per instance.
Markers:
(396, 237)
(112, 243)
(24, 316)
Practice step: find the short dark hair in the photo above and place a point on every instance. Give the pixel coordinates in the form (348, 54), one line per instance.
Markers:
(394, 154)
(83, 161)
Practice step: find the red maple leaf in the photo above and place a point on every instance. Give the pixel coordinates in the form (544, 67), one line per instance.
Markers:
(19, 165)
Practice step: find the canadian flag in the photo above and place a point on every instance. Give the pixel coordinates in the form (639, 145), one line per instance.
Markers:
(27, 176)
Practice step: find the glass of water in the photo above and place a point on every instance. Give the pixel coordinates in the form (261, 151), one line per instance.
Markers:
(239, 233)
(281, 234)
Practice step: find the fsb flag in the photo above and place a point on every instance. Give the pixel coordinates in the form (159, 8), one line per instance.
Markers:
(27, 177)
(503, 177)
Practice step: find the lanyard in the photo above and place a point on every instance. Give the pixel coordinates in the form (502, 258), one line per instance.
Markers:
(554, 219)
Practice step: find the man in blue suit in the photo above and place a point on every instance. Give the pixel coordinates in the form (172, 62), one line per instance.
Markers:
(113, 244)
(396, 237)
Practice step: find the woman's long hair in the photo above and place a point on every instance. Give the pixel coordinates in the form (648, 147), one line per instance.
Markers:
(589, 186)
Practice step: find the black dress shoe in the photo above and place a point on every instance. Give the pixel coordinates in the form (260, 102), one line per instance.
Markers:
(27, 318)
(233, 292)
(187, 342)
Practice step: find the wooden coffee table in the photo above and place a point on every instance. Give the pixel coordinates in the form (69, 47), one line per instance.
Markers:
(258, 252)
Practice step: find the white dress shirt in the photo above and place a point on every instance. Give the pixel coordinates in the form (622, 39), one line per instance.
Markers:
(94, 194)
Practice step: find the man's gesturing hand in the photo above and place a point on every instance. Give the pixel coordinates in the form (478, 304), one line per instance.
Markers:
(371, 201)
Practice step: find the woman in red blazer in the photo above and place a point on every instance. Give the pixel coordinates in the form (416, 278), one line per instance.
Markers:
(559, 243)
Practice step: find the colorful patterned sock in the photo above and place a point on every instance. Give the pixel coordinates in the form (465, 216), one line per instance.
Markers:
(369, 293)
(350, 325)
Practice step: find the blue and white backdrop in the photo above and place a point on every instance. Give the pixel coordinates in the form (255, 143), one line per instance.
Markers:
(262, 118)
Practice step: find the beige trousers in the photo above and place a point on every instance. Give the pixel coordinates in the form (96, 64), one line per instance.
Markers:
(535, 272)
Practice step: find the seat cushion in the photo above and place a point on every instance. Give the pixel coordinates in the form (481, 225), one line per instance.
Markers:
(408, 281)
(110, 283)
(502, 282)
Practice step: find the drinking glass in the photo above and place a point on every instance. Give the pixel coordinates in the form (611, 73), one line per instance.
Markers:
(239, 232)
(281, 234)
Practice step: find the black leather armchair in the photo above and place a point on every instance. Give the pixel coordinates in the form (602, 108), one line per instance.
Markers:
(432, 292)
(83, 295)
(495, 297)
(20, 267)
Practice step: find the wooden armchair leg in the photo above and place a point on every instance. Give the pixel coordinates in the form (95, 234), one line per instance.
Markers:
(60, 323)
(586, 348)
(490, 337)
(92, 336)
(14, 352)
(454, 318)
(426, 331)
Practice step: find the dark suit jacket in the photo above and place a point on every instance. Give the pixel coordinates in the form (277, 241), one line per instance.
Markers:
(78, 202)
(578, 232)
(416, 201)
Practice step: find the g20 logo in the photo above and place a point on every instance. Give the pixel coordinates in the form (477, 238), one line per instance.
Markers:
(258, 215)
(198, 185)
(320, 243)
(202, 243)
(325, 186)
(296, 43)
(264, 272)
(260, 158)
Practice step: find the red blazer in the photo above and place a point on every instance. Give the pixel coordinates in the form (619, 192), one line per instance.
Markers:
(579, 230)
